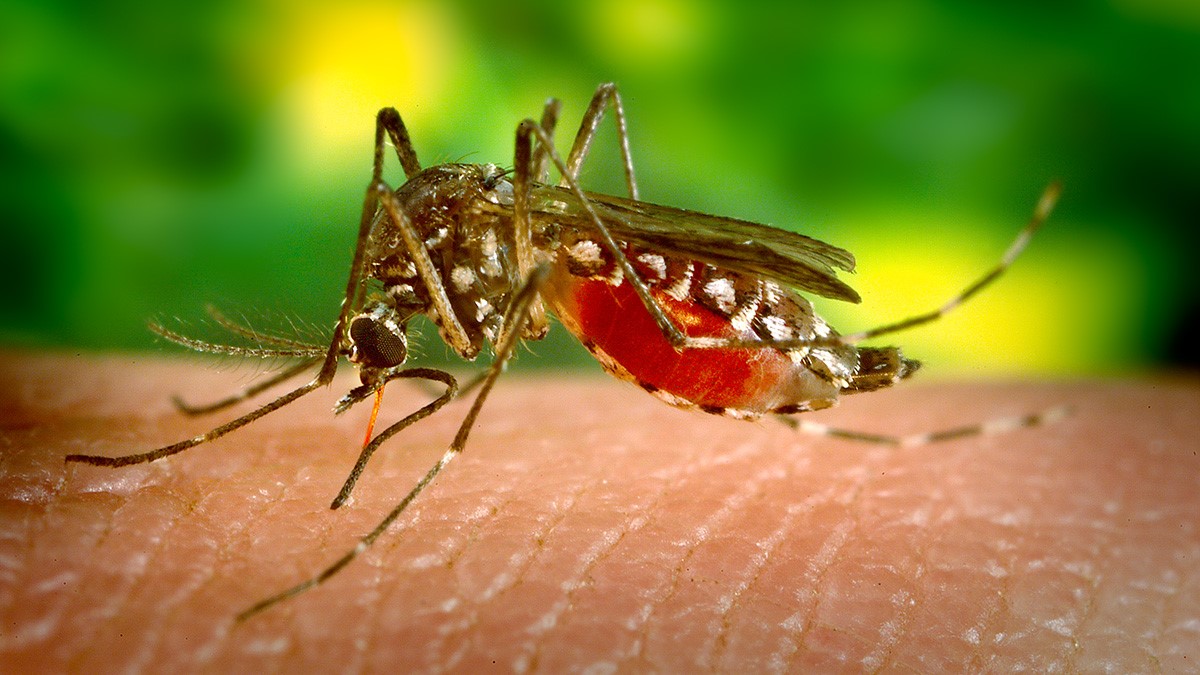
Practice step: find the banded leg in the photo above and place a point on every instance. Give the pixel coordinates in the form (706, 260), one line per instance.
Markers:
(387, 122)
(1041, 212)
(987, 428)
(514, 320)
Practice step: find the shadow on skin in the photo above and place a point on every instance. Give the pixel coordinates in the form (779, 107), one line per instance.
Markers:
(589, 524)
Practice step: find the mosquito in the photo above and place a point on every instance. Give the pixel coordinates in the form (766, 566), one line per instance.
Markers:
(702, 311)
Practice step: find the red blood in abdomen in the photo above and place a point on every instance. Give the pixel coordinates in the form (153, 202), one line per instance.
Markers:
(614, 320)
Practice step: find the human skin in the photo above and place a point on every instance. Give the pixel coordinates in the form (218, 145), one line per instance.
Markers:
(589, 526)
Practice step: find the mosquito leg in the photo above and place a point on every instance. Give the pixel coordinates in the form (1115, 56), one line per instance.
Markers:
(463, 389)
(987, 428)
(540, 169)
(390, 124)
(606, 95)
(166, 451)
(389, 120)
(313, 357)
(425, 374)
(516, 315)
(247, 393)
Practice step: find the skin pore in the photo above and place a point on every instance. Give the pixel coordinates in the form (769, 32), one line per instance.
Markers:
(588, 525)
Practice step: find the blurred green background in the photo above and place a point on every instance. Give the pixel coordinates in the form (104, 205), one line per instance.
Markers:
(157, 156)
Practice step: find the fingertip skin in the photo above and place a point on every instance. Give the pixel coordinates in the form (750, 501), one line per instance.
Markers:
(589, 524)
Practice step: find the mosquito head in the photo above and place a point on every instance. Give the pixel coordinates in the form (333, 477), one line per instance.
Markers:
(378, 340)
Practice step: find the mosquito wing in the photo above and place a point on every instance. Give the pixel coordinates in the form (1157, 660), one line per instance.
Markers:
(791, 259)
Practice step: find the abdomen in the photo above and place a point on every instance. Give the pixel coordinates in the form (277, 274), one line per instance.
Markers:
(595, 302)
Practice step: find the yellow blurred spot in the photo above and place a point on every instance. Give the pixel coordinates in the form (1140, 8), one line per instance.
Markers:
(342, 62)
(1053, 312)
(647, 35)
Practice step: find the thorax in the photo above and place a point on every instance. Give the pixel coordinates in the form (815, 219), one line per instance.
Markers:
(462, 215)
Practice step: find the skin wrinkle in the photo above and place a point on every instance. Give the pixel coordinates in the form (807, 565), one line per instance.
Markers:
(366, 630)
(367, 582)
(852, 518)
(479, 519)
(824, 559)
(916, 598)
(996, 609)
(177, 614)
(101, 532)
(757, 564)
(1073, 655)
(671, 476)
(368, 626)
(128, 590)
(1004, 614)
(1000, 611)
(513, 575)
(378, 617)
(1164, 612)
(1066, 625)
(642, 518)
(703, 534)
(291, 650)
(920, 588)
(29, 542)
(881, 657)
(243, 533)
(626, 528)
(10, 546)
(866, 477)
(157, 631)
(664, 593)
(599, 549)
(1016, 588)
(1167, 608)
(217, 551)
(90, 639)
(987, 611)
(515, 572)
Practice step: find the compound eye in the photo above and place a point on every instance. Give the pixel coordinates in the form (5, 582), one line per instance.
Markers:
(378, 343)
